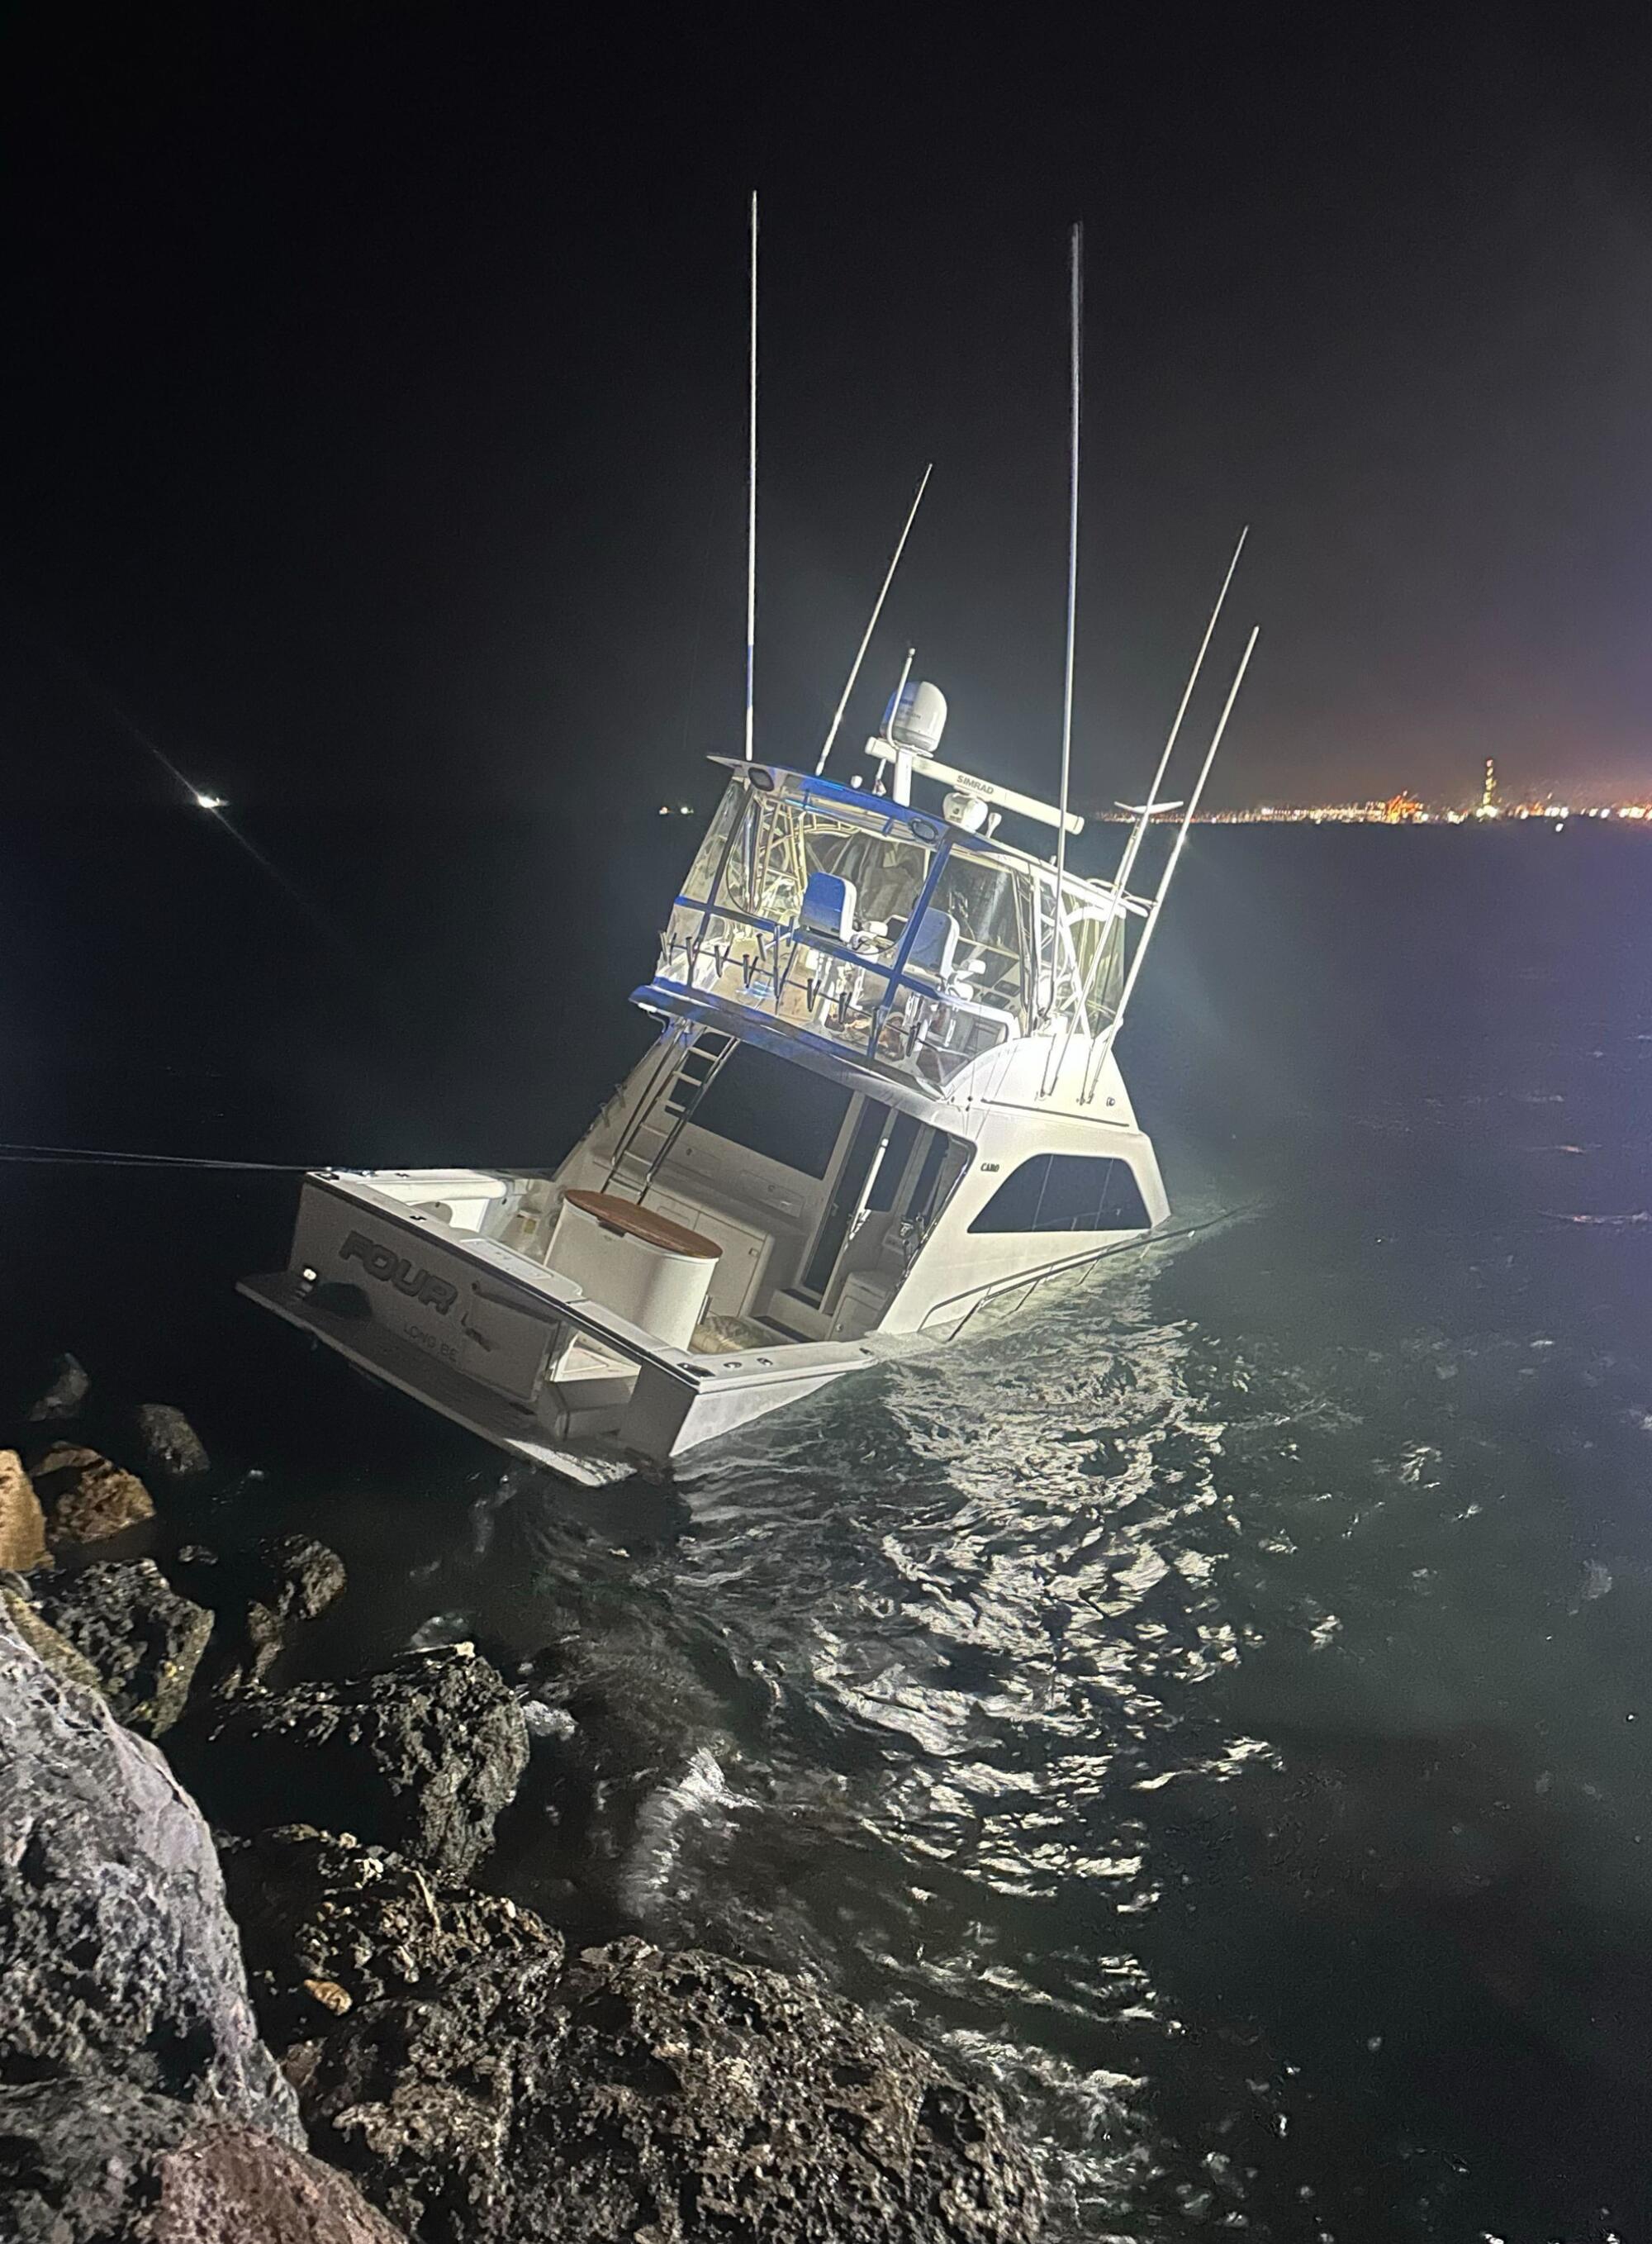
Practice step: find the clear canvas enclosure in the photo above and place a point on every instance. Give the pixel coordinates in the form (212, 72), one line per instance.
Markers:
(849, 918)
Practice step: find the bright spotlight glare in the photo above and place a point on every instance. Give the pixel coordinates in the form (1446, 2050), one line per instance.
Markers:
(210, 801)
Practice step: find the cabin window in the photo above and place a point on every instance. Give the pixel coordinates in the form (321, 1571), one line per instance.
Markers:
(1067, 1192)
(774, 1108)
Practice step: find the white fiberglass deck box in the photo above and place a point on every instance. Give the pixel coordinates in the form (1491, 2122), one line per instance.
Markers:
(636, 1262)
(462, 1199)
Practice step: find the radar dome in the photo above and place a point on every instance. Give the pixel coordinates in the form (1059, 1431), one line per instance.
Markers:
(917, 717)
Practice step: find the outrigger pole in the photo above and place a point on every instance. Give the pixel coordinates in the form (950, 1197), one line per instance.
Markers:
(1143, 815)
(1144, 812)
(837, 715)
(1104, 1043)
(751, 507)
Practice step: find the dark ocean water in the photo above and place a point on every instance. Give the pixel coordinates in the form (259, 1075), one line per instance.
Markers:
(1216, 1706)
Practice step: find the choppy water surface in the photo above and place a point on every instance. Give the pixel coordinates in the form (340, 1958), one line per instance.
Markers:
(1216, 1705)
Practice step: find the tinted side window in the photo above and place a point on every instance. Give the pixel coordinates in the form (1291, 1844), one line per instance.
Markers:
(1066, 1192)
(771, 1107)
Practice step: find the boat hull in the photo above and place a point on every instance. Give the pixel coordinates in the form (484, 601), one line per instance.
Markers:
(509, 1350)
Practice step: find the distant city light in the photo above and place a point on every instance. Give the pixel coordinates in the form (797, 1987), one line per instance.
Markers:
(1407, 809)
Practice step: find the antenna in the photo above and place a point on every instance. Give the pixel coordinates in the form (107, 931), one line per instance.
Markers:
(1072, 558)
(837, 715)
(750, 506)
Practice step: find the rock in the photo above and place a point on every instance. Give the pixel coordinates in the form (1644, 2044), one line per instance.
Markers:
(144, 1641)
(102, 2162)
(91, 1499)
(318, 1910)
(296, 1579)
(225, 2182)
(63, 1398)
(23, 1524)
(640, 2094)
(326, 1908)
(81, 2158)
(43, 1639)
(305, 1576)
(118, 1954)
(421, 1758)
(103, 1502)
(262, 1601)
(169, 1443)
(61, 1464)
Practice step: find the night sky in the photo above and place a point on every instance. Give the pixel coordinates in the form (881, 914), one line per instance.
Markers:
(376, 413)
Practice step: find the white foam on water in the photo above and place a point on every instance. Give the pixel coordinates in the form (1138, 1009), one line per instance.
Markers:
(545, 1721)
(440, 1628)
(653, 1852)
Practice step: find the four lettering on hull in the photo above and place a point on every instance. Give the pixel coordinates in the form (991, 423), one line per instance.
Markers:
(385, 1264)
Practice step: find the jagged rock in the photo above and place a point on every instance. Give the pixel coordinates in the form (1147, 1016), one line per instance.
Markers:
(421, 1758)
(169, 1443)
(144, 1641)
(63, 1398)
(227, 2182)
(23, 1524)
(643, 2094)
(41, 1638)
(61, 1464)
(101, 2162)
(293, 1579)
(91, 1499)
(116, 1954)
(315, 1908)
(307, 1576)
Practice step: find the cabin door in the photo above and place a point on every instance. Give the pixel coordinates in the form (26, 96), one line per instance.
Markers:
(849, 1195)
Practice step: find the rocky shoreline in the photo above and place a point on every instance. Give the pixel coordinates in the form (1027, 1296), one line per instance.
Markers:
(309, 2019)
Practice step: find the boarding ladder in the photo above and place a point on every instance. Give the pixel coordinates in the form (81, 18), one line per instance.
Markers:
(691, 1059)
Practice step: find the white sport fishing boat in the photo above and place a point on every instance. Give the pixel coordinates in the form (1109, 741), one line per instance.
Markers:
(885, 1093)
